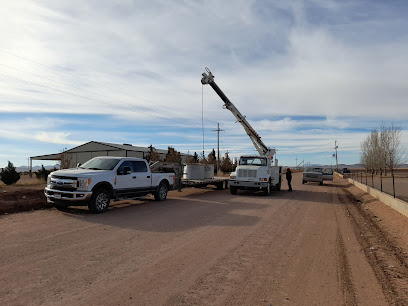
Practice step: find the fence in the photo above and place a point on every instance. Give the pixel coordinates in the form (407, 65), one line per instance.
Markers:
(394, 184)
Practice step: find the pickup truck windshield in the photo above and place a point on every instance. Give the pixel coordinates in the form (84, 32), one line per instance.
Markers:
(253, 161)
(313, 170)
(100, 164)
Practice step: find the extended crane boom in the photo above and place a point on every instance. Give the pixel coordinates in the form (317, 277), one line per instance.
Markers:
(262, 149)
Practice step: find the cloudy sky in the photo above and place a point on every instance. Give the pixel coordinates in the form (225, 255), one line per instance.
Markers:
(305, 73)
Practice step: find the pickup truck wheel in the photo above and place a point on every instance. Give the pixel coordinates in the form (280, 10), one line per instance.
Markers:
(161, 193)
(320, 183)
(303, 182)
(100, 201)
(233, 190)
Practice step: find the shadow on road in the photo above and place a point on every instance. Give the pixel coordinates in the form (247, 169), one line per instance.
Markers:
(212, 208)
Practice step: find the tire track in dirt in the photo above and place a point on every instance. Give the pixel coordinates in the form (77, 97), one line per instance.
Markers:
(345, 275)
(387, 261)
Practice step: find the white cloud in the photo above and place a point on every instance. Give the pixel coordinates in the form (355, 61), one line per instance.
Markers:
(141, 64)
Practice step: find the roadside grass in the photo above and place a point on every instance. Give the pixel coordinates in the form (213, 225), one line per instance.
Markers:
(25, 181)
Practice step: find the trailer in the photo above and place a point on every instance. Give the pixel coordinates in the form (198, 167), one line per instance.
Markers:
(184, 179)
(219, 182)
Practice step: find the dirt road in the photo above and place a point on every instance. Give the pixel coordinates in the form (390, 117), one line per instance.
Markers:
(314, 246)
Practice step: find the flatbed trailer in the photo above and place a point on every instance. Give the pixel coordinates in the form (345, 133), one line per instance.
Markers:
(219, 182)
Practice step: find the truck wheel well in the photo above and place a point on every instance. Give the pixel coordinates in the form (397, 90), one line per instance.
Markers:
(165, 182)
(104, 185)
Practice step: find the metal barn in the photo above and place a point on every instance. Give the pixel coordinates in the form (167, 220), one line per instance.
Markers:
(92, 149)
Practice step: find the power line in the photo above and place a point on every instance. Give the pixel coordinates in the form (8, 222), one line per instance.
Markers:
(102, 85)
(95, 100)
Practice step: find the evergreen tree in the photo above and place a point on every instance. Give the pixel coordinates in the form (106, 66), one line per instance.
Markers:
(42, 174)
(195, 156)
(212, 159)
(9, 175)
(153, 155)
(226, 164)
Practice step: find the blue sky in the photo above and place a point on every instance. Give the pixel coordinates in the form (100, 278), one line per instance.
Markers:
(305, 73)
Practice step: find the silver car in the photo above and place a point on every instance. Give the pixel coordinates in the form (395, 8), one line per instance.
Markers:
(317, 174)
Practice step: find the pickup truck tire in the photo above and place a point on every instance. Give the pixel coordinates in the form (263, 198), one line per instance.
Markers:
(161, 193)
(233, 189)
(303, 182)
(100, 201)
(320, 183)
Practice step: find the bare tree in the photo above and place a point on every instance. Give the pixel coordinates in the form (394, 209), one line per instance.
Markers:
(382, 149)
(393, 152)
(65, 159)
(172, 155)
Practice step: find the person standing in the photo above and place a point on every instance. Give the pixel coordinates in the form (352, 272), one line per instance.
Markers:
(289, 178)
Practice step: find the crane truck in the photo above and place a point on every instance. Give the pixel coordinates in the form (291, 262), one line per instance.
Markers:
(253, 172)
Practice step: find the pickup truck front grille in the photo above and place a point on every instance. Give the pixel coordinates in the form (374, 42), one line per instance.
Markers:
(60, 177)
(312, 175)
(246, 173)
(63, 183)
(62, 188)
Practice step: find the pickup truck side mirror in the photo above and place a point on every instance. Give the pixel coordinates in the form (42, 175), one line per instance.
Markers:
(78, 165)
(126, 170)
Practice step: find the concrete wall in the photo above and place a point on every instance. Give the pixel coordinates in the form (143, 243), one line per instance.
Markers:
(399, 205)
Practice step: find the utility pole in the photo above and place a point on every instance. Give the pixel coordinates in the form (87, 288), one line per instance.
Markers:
(337, 163)
(218, 158)
(296, 163)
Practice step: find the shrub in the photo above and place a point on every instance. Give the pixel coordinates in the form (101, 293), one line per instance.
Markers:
(42, 174)
(9, 175)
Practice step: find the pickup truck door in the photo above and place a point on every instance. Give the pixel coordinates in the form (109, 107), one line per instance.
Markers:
(138, 180)
(124, 182)
(141, 174)
(327, 174)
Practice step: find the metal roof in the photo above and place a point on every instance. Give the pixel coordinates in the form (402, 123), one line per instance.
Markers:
(104, 146)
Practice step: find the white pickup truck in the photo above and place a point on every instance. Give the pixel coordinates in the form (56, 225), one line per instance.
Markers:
(101, 179)
(317, 175)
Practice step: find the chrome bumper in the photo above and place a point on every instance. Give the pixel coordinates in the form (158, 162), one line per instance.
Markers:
(248, 184)
(312, 179)
(61, 195)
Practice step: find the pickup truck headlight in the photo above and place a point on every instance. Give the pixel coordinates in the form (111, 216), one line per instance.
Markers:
(49, 179)
(83, 183)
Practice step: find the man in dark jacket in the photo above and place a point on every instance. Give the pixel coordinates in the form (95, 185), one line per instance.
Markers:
(289, 178)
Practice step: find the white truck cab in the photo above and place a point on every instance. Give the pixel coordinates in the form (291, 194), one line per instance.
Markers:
(101, 179)
(255, 173)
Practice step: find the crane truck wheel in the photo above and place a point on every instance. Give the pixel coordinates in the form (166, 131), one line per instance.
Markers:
(233, 190)
(267, 190)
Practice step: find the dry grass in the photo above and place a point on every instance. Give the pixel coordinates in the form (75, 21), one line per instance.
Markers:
(24, 181)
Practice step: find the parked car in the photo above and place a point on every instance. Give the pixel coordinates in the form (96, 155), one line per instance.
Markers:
(345, 170)
(317, 175)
